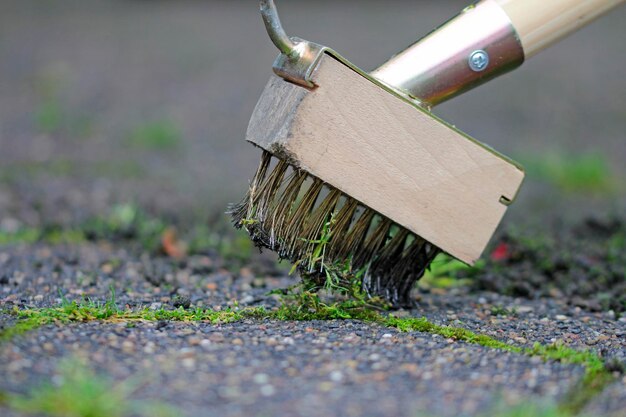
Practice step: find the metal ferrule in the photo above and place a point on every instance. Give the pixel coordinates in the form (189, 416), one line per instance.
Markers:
(477, 45)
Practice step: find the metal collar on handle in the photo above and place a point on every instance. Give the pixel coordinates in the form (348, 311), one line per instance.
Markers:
(477, 45)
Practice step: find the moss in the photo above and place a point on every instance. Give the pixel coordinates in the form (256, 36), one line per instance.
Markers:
(81, 393)
(129, 223)
(307, 306)
(499, 310)
(530, 409)
(157, 135)
(64, 168)
(590, 172)
(22, 326)
(52, 235)
(444, 272)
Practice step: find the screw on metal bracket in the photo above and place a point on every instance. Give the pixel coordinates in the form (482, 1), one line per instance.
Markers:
(478, 60)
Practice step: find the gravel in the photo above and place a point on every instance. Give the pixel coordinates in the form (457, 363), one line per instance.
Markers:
(291, 368)
(266, 368)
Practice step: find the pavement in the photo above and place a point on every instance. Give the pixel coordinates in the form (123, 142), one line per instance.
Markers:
(107, 103)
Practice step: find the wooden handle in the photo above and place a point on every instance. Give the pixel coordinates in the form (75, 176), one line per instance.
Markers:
(540, 23)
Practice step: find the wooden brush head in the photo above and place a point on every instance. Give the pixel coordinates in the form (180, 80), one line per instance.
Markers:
(388, 153)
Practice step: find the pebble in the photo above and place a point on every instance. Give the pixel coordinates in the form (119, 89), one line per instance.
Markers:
(128, 346)
(189, 363)
(267, 390)
(336, 376)
(321, 364)
(261, 379)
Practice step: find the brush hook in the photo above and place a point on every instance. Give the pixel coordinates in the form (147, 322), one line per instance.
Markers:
(275, 30)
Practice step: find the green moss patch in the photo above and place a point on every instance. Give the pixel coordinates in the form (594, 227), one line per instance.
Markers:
(83, 393)
(309, 306)
(306, 306)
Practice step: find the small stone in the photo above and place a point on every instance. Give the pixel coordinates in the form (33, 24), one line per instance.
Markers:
(247, 299)
(38, 297)
(188, 363)
(561, 317)
(237, 342)
(441, 360)
(258, 283)
(261, 379)
(267, 390)
(336, 376)
(325, 386)
(216, 337)
(128, 346)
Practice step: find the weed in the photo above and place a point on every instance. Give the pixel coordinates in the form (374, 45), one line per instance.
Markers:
(49, 116)
(63, 167)
(589, 172)
(127, 222)
(30, 235)
(82, 393)
(157, 135)
(530, 409)
(444, 272)
(298, 305)
(499, 310)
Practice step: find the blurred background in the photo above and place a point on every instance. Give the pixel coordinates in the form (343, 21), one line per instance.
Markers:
(105, 102)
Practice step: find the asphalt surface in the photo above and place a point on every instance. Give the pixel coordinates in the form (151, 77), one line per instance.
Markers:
(109, 102)
(291, 368)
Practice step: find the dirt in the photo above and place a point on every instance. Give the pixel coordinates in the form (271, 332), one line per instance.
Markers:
(583, 264)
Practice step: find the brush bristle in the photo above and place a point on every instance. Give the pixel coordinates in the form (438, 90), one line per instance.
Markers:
(322, 230)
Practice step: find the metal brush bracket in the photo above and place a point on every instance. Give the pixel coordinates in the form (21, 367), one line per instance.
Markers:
(476, 46)
(298, 57)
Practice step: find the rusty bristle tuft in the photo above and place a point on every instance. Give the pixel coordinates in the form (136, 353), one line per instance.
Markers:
(318, 228)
